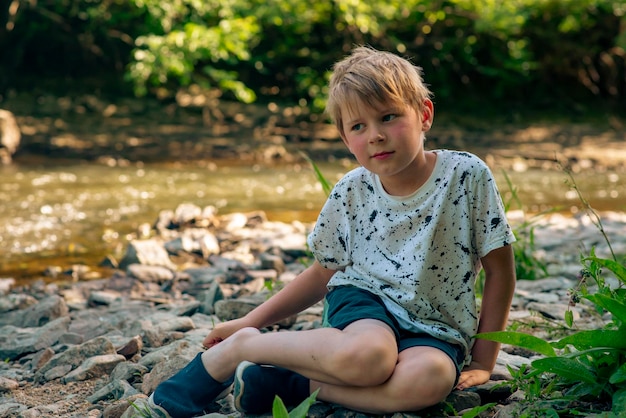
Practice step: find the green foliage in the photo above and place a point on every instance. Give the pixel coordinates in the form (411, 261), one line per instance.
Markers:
(326, 185)
(143, 410)
(527, 265)
(478, 410)
(280, 411)
(587, 364)
(283, 49)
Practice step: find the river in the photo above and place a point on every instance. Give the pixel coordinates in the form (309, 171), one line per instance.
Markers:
(60, 214)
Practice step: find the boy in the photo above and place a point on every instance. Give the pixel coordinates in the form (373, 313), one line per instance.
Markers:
(398, 246)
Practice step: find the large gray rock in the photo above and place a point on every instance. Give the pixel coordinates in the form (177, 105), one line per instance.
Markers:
(16, 342)
(95, 366)
(37, 315)
(74, 356)
(149, 252)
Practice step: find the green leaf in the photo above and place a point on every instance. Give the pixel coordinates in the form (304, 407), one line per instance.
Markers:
(326, 185)
(618, 269)
(301, 410)
(617, 308)
(477, 410)
(520, 339)
(567, 368)
(583, 340)
(619, 402)
(278, 409)
(569, 318)
(619, 376)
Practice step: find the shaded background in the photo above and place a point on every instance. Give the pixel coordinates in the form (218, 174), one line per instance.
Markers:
(552, 55)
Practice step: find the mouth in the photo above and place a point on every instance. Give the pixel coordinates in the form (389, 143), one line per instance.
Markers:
(382, 155)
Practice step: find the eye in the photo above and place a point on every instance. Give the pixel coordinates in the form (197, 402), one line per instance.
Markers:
(357, 127)
(389, 117)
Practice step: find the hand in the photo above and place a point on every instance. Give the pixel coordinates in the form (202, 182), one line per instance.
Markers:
(473, 375)
(223, 331)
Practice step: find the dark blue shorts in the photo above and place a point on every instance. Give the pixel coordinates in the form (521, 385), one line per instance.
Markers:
(347, 304)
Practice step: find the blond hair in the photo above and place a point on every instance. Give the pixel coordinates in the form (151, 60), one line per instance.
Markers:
(374, 77)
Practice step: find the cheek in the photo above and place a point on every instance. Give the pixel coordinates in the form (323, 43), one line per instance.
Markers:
(355, 146)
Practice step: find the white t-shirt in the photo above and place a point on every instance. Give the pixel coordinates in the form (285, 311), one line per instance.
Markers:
(420, 253)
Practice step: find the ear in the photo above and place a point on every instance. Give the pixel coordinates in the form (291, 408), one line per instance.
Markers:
(428, 114)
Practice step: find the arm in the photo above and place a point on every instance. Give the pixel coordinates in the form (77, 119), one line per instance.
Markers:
(499, 267)
(305, 290)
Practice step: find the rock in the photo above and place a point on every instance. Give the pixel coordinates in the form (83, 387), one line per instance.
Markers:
(128, 371)
(17, 301)
(103, 297)
(10, 409)
(162, 371)
(5, 285)
(271, 261)
(186, 213)
(131, 348)
(7, 384)
(75, 356)
(227, 310)
(71, 338)
(194, 240)
(46, 310)
(208, 298)
(10, 136)
(15, 342)
(177, 349)
(461, 400)
(94, 366)
(149, 252)
(120, 408)
(147, 273)
(553, 310)
(41, 358)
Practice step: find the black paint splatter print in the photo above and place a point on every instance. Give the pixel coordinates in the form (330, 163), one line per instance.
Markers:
(422, 256)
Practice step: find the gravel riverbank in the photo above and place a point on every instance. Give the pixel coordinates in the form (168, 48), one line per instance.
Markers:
(89, 348)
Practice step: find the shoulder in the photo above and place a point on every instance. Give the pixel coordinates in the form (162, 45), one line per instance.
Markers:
(462, 163)
(462, 158)
(354, 180)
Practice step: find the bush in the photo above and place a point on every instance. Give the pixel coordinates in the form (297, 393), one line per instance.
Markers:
(282, 49)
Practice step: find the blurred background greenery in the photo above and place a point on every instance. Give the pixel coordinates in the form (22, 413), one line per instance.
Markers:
(558, 56)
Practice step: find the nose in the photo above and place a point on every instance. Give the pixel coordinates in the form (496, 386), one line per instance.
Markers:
(376, 136)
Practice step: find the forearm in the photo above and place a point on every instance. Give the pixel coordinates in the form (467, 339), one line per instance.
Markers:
(499, 286)
(305, 290)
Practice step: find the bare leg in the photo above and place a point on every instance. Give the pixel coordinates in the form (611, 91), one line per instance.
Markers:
(365, 353)
(423, 377)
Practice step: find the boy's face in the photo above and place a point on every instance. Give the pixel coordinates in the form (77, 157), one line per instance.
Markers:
(388, 139)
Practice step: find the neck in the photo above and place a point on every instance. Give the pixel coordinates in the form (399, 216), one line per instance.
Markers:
(409, 182)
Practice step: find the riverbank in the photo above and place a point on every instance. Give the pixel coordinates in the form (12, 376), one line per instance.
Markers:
(85, 159)
(90, 348)
(92, 128)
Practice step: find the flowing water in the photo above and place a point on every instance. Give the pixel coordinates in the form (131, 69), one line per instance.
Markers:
(57, 214)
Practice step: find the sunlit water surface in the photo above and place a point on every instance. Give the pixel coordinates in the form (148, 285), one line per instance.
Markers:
(78, 213)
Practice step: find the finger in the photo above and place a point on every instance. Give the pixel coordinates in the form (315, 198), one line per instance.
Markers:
(462, 384)
(210, 342)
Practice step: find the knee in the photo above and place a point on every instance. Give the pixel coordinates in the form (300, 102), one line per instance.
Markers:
(434, 386)
(365, 363)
